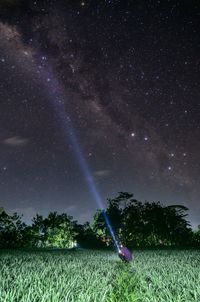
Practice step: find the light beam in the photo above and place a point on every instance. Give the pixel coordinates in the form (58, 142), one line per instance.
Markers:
(56, 96)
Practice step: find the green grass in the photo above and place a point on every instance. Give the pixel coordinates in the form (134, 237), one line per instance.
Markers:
(168, 275)
(99, 276)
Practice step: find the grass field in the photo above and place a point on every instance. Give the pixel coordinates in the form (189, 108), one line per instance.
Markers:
(99, 276)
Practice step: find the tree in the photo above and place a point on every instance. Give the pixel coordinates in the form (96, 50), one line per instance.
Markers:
(59, 231)
(143, 224)
(179, 230)
(86, 237)
(105, 222)
(1, 210)
(36, 233)
(11, 230)
(133, 223)
(99, 226)
(196, 237)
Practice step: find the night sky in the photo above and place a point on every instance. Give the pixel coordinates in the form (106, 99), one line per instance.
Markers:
(126, 76)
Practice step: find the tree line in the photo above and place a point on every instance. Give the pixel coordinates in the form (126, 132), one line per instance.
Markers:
(135, 224)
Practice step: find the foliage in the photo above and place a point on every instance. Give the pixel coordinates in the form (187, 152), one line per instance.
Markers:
(196, 237)
(134, 224)
(86, 237)
(11, 230)
(57, 230)
(100, 228)
(144, 224)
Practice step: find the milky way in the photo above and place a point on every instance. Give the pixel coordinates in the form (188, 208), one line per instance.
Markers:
(129, 76)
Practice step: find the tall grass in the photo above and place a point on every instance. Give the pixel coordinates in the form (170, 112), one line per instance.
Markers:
(160, 276)
(89, 276)
(56, 276)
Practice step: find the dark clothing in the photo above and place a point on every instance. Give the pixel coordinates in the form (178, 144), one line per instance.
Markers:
(125, 254)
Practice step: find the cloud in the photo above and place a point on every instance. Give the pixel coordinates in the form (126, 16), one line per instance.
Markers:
(27, 212)
(15, 141)
(101, 173)
(70, 209)
(85, 216)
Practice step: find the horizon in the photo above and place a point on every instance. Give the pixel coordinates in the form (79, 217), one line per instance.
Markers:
(27, 218)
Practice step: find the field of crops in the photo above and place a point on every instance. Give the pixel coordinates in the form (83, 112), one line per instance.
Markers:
(99, 276)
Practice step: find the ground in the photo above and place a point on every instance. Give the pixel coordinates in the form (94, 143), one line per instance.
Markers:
(99, 276)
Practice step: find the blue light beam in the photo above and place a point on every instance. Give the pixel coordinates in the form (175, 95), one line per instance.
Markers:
(59, 107)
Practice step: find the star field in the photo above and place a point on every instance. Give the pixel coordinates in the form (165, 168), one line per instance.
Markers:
(127, 75)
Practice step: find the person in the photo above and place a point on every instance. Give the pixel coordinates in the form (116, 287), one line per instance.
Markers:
(124, 254)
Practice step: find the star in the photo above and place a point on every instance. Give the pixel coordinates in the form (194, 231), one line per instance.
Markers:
(26, 53)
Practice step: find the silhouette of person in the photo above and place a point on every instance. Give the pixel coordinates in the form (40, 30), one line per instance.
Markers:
(124, 254)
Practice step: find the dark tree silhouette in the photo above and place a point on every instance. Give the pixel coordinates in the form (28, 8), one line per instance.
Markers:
(11, 230)
(86, 237)
(196, 237)
(133, 222)
(144, 224)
